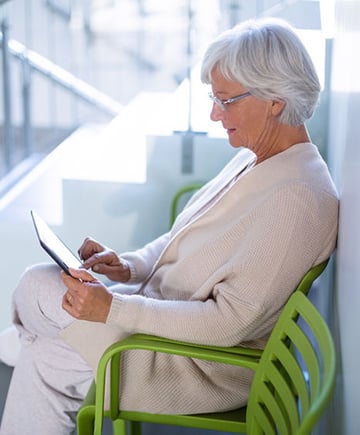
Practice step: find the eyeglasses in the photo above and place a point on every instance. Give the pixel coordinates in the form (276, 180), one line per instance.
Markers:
(223, 103)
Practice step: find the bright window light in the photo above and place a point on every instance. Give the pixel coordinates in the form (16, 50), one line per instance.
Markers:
(327, 16)
(315, 44)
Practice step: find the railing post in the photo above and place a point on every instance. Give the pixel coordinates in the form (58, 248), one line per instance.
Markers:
(26, 94)
(8, 131)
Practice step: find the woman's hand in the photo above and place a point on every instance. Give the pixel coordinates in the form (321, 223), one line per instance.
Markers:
(86, 297)
(103, 260)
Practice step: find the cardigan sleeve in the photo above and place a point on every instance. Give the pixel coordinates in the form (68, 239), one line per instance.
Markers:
(141, 261)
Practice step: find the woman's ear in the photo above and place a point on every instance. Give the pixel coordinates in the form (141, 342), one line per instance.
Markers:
(277, 107)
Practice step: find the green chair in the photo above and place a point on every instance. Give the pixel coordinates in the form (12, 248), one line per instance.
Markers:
(177, 201)
(289, 393)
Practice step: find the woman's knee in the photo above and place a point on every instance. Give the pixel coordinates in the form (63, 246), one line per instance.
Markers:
(36, 280)
(37, 299)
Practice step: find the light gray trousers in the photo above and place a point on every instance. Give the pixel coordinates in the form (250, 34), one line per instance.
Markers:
(50, 380)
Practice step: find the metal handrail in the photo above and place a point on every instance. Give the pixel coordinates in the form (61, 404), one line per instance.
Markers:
(32, 61)
(63, 78)
(7, 96)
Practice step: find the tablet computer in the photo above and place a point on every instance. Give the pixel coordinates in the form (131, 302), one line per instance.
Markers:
(51, 243)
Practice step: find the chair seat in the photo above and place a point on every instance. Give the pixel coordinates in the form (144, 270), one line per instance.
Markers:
(231, 421)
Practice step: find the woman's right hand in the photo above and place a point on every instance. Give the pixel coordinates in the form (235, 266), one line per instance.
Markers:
(103, 260)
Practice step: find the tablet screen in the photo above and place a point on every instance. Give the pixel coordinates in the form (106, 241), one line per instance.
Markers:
(51, 243)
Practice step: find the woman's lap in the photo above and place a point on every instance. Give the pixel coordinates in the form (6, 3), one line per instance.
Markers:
(37, 300)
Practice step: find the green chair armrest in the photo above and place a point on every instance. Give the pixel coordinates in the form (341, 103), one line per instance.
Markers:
(229, 355)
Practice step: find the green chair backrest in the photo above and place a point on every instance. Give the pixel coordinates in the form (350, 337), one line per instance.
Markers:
(308, 279)
(291, 390)
(176, 204)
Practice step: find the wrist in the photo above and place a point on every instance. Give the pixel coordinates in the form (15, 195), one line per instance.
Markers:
(126, 271)
(108, 307)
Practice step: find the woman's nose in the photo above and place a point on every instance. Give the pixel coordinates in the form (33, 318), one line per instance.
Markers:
(216, 113)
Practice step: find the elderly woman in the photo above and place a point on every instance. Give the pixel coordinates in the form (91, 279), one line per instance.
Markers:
(221, 275)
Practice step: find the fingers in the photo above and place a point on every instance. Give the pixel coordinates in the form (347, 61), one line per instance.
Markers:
(68, 299)
(71, 305)
(77, 290)
(81, 275)
(93, 260)
(67, 303)
(89, 247)
(102, 260)
(86, 300)
(99, 262)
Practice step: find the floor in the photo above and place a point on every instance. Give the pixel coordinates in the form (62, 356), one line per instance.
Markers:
(5, 376)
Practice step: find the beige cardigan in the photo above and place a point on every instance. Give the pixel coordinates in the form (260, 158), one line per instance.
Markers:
(220, 277)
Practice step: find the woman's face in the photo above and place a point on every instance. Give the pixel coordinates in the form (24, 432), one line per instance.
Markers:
(249, 122)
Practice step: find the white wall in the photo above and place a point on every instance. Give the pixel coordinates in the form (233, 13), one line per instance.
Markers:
(344, 138)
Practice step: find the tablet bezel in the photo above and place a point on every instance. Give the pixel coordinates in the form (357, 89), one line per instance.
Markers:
(54, 250)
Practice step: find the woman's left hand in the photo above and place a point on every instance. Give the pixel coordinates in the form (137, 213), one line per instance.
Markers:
(86, 297)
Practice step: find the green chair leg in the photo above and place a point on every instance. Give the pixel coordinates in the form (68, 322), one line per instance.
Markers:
(119, 427)
(86, 420)
(135, 427)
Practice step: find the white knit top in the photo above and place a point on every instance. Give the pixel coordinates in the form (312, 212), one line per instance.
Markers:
(220, 277)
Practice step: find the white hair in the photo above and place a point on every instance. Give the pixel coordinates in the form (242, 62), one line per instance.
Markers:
(267, 57)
